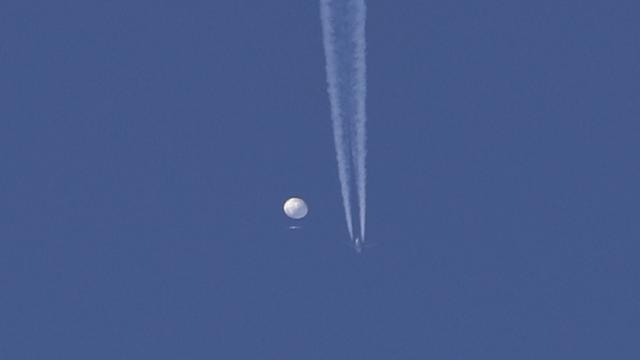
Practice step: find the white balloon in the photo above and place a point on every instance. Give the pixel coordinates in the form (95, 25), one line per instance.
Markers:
(295, 208)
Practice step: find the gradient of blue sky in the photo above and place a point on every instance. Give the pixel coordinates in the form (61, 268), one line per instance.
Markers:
(147, 146)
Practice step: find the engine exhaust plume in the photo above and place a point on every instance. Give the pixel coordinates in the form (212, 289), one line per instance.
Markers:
(343, 28)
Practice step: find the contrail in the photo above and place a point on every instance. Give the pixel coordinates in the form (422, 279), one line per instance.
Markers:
(343, 27)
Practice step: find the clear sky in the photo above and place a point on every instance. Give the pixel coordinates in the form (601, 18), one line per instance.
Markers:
(146, 148)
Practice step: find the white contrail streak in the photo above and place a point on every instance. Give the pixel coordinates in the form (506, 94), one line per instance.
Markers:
(360, 115)
(343, 26)
(336, 112)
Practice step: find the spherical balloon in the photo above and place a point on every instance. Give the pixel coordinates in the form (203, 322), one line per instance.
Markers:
(295, 208)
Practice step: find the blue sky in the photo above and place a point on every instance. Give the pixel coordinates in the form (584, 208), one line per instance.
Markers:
(147, 147)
